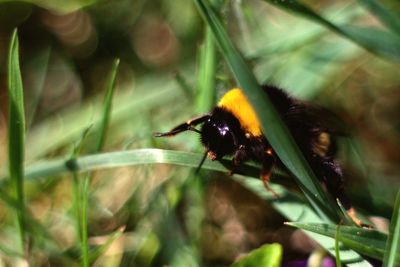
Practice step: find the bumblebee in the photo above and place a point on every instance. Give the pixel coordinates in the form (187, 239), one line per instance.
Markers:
(232, 128)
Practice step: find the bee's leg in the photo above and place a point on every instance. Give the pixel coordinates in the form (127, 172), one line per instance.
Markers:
(239, 157)
(335, 185)
(351, 212)
(186, 126)
(266, 171)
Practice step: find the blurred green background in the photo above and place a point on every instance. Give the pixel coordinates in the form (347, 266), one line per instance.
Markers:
(156, 215)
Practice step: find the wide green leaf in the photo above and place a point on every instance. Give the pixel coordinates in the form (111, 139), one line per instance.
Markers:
(59, 6)
(267, 256)
(294, 208)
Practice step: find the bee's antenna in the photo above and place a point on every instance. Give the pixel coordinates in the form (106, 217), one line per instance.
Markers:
(202, 161)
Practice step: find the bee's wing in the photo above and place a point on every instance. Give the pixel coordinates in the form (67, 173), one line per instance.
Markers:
(310, 116)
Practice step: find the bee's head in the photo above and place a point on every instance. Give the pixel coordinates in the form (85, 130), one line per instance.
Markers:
(218, 138)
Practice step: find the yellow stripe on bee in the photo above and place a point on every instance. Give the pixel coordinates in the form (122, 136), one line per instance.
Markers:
(236, 102)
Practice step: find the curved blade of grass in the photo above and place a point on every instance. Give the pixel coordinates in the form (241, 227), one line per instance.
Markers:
(301, 31)
(366, 241)
(290, 205)
(58, 167)
(126, 158)
(16, 132)
(382, 43)
(273, 127)
(387, 47)
(346, 216)
(392, 255)
(390, 19)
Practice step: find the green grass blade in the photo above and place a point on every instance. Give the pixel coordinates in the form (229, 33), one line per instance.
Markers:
(98, 251)
(16, 132)
(346, 217)
(127, 158)
(273, 127)
(337, 249)
(366, 241)
(206, 77)
(81, 164)
(107, 106)
(83, 208)
(390, 19)
(33, 229)
(80, 202)
(184, 85)
(382, 43)
(84, 189)
(387, 47)
(392, 255)
(42, 60)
